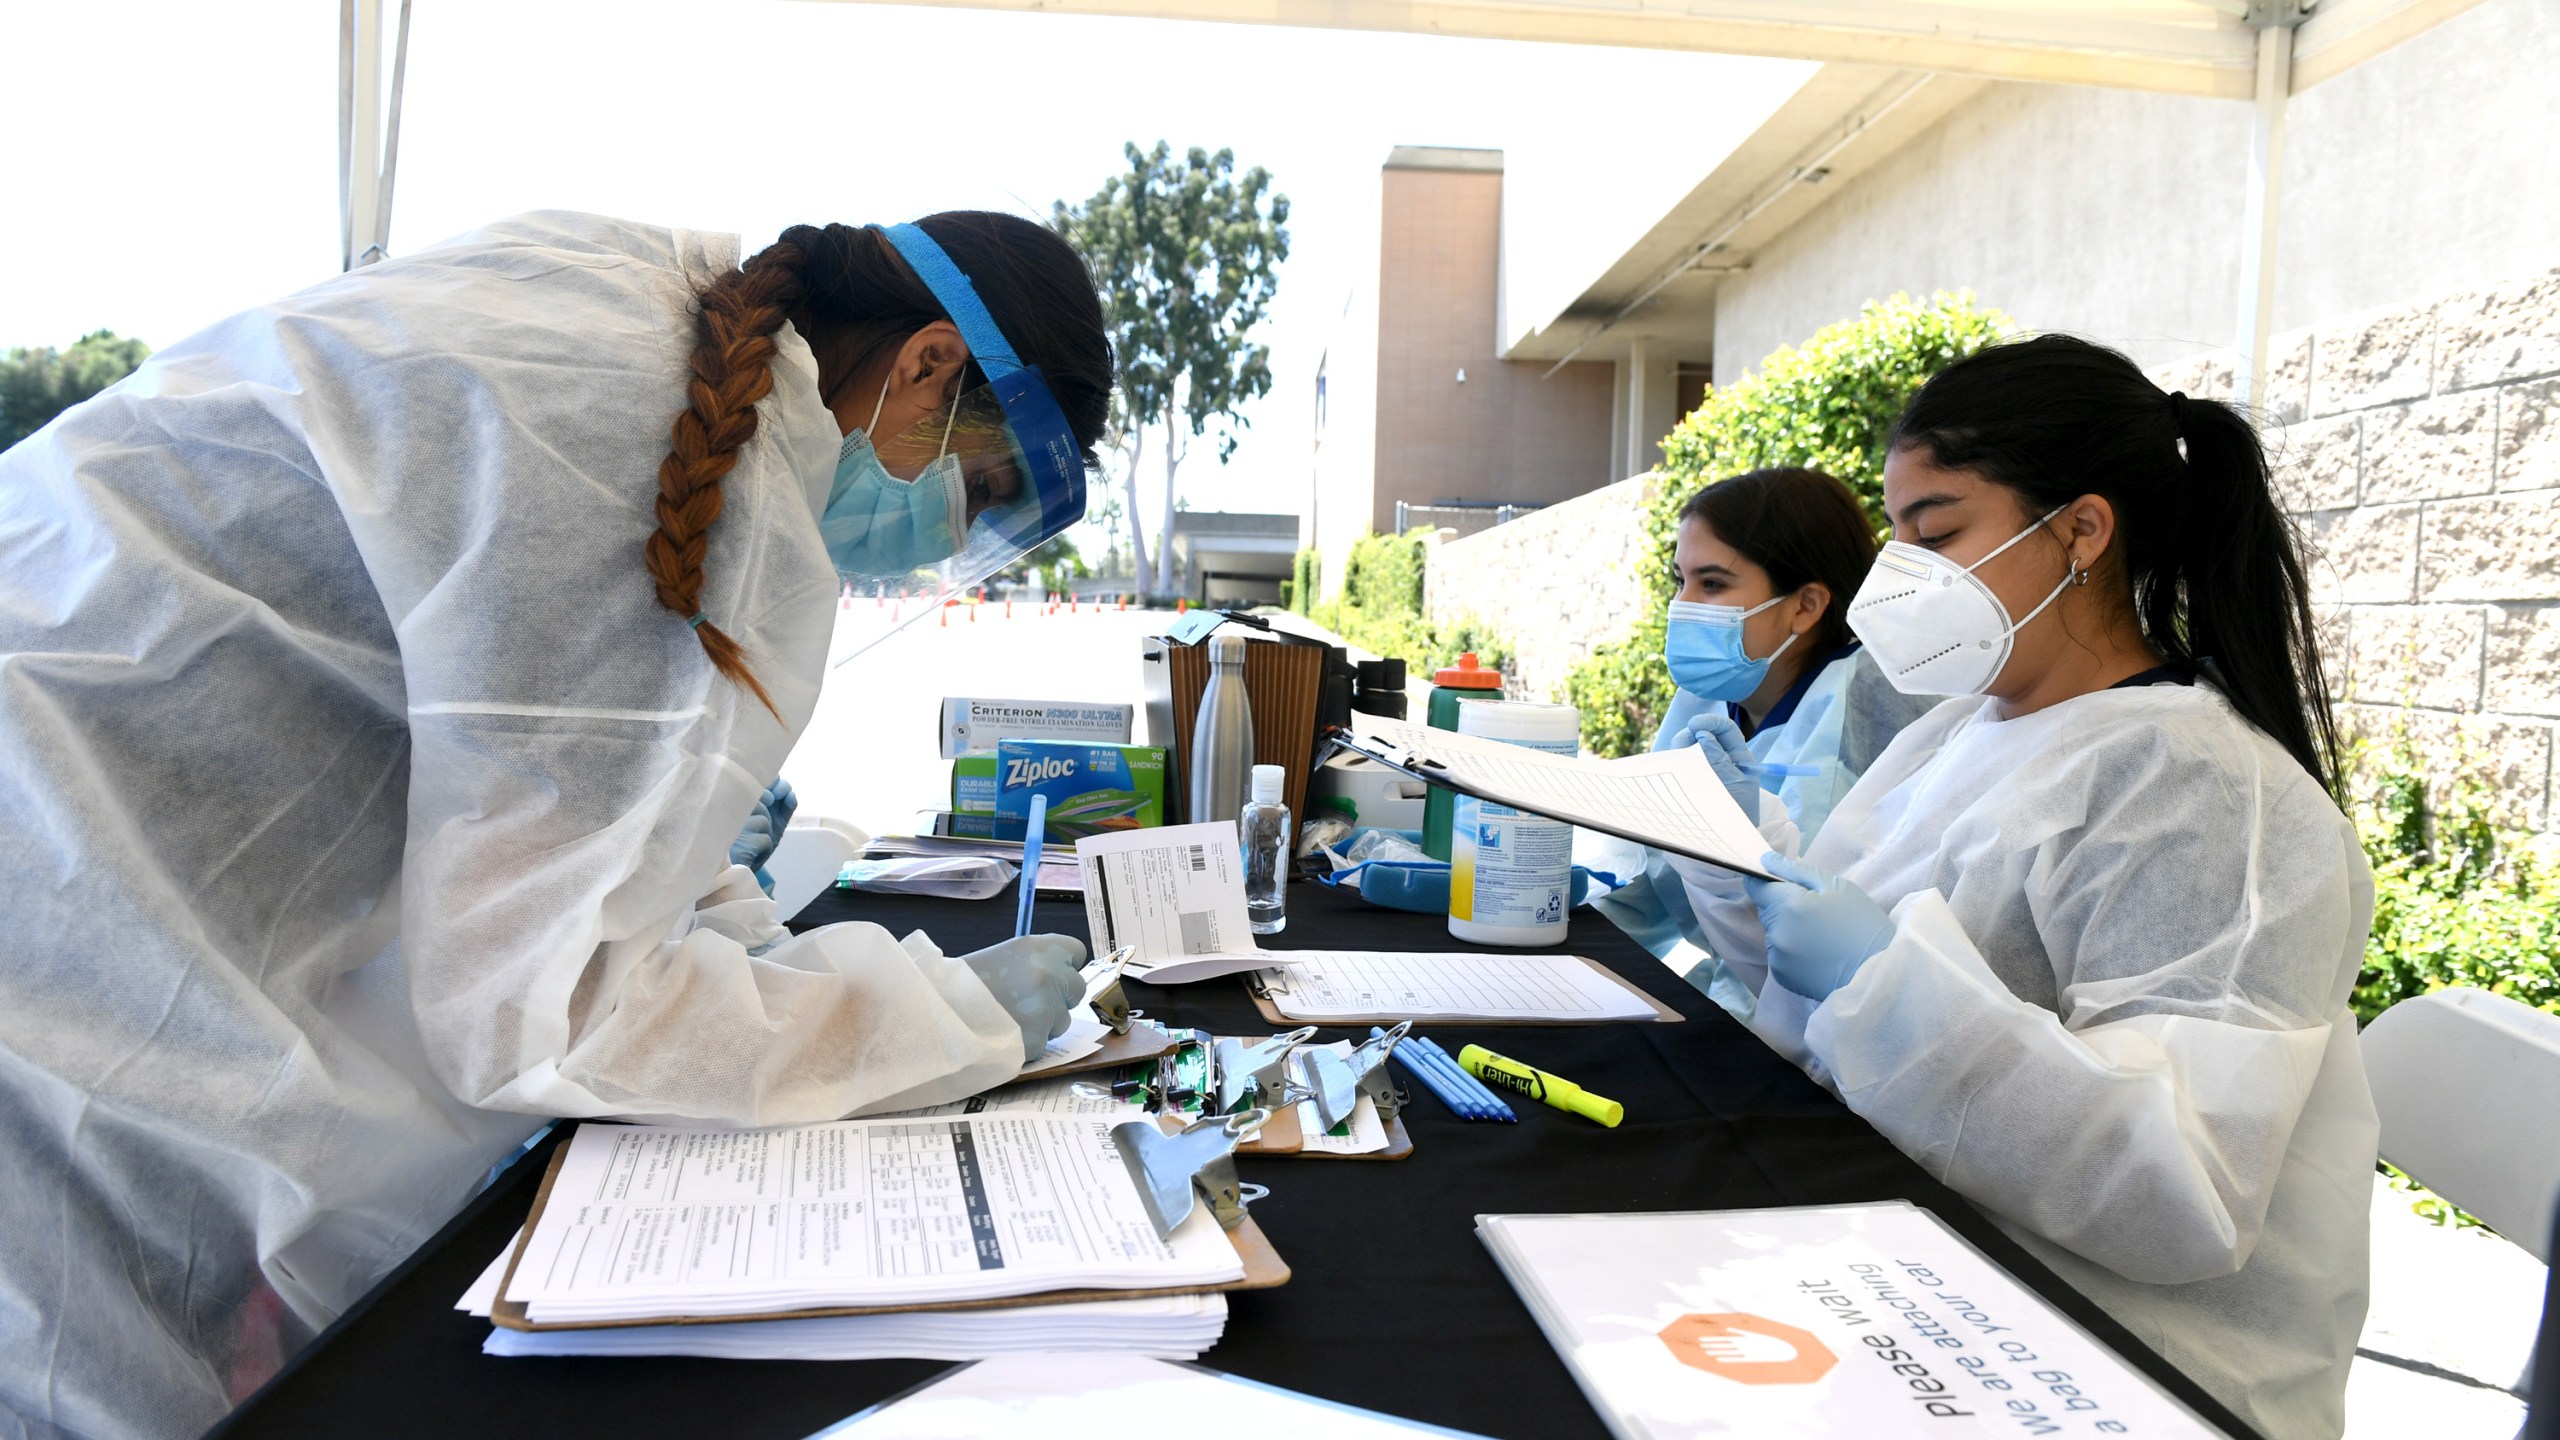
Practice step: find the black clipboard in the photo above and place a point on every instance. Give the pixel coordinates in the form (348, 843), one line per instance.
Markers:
(1432, 772)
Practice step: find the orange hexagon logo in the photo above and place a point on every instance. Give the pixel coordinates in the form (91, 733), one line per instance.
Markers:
(1748, 1348)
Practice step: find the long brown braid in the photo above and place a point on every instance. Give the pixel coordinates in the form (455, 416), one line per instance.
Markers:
(732, 367)
(847, 292)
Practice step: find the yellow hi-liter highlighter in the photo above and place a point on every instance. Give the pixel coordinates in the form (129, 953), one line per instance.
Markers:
(1506, 1074)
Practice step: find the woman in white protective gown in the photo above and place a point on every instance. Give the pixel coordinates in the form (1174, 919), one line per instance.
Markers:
(2082, 944)
(380, 690)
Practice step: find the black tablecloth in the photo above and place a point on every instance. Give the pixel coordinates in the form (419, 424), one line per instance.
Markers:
(1393, 1305)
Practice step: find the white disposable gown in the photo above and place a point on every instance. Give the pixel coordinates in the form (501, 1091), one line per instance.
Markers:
(360, 795)
(1846, 715)
(2113, 1014)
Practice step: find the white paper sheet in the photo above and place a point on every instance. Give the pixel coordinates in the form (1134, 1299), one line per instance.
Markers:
(1173, 1327)
(1054, 1095)
(658, 1221)
(1177, 894)
(1846, 1320)
(1051, 1397)
(1670, 798)
(1363, 1132)
(1083, 1036)
(1169, 1326)
(1343, 984)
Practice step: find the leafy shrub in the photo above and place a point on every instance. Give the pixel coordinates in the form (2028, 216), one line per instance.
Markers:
(1305, 584)
(1380, 608)
(2460, 898)
(1829, 404)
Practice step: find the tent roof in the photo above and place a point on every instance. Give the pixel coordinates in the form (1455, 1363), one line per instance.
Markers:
(2184, 47)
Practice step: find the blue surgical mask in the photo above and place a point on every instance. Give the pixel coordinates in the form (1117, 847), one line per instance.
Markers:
(877, 524)
(1704, 647)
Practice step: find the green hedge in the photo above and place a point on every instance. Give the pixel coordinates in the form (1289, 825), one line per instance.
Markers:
(2461, 897)
(1828, 403)
(1380, 608)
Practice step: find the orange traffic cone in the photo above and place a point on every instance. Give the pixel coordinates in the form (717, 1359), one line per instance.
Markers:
(1182, 605)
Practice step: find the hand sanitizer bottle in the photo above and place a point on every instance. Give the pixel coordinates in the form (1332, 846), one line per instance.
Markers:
(1263, 830)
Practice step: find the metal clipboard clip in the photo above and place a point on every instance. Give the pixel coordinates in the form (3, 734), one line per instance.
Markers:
(1103, 992)
(1259, 1064)
(1201, 1156)
(1339, 1081)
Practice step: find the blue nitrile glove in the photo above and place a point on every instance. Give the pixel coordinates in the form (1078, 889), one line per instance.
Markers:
(1720, 740)
(1821, 928)
(763, 830)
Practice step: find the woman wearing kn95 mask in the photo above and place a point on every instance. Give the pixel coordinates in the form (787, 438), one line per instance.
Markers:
(1759, 648)
(2081, 940)
(389, 669)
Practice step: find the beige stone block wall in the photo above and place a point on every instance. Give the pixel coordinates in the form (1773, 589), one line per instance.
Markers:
(2419, 450)
(1555, 582)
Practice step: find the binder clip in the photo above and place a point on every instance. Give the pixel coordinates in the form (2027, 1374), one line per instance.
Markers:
(1338, 1082)
(1201, 1156)
(1261, 1065)
(1103, 991)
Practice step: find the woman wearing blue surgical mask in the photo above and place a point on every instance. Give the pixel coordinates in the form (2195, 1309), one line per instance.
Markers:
(384, 673)
(1764, 663)
(2081, 940)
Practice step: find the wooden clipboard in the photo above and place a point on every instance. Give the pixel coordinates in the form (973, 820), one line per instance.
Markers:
(1662, 1014)
(1263, 1270)
(1143, 1042)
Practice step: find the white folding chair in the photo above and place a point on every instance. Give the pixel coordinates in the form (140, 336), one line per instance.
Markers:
(809, 857)
(2468, 1087)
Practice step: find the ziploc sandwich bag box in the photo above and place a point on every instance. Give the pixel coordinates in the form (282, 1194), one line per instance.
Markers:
(973, 795)
(1092, 789)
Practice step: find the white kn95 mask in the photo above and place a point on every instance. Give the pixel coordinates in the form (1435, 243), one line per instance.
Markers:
(1932, 625)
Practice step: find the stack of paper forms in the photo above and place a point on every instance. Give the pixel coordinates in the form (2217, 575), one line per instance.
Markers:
(643, 1227)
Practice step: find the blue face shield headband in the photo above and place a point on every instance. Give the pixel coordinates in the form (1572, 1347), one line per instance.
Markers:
(1044, 447)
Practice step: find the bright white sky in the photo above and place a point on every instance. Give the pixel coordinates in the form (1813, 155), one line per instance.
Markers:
(188, 165)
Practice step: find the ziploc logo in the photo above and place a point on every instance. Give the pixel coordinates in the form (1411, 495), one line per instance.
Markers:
(1036, 770)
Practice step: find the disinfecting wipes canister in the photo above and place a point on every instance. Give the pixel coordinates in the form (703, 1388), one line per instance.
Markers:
(1510, 872)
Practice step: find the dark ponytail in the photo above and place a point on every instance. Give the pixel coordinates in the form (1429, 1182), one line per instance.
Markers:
(849, 293)
(2214, 566)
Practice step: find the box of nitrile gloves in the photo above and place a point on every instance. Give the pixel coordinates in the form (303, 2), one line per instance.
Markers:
(1092, 789)
(971, 724)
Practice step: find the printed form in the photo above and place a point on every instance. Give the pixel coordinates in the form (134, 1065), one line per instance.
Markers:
(1330, 985)
(1175, 892)
(1670, 799)
(647, 1222)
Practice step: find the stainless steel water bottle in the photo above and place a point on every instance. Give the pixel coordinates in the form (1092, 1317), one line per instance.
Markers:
(1222, 737)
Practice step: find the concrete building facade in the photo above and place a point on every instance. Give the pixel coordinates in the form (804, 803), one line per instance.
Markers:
(1449, 426)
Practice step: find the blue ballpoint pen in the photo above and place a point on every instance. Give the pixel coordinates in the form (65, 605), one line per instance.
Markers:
(1495, 1105)
(1439, 1084)
(1031, 837)
(1479, 1103)
(1473, 1088)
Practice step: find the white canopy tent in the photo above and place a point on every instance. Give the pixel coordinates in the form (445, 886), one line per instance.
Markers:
(2258, 50)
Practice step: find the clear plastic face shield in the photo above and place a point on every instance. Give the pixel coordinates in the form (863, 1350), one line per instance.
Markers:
(920, 518)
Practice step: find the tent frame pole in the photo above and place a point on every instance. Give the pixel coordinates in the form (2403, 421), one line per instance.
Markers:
(2262, 209)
